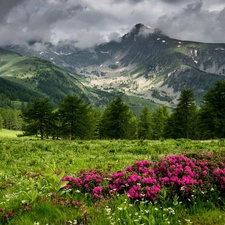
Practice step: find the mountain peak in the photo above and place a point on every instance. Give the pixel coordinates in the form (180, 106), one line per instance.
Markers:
(139, 27)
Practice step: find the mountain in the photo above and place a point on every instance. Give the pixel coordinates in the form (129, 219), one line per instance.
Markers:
(144, 64)
(23, 78)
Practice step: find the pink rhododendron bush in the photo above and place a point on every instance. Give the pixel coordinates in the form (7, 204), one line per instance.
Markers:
(180, 175)
(151, 192)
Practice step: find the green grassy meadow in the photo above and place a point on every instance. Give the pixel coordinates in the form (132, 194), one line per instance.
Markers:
(31, 191)
(9, 133)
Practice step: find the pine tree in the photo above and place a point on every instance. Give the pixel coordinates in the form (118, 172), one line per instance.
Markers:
(145, 126)
(118, 121)
(37, 117)
(75, 117)
(160, 119)
(182, 123)
(1, 122)
(212, 112)
(11, 119)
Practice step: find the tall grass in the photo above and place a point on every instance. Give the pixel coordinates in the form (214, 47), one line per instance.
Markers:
(30, 171)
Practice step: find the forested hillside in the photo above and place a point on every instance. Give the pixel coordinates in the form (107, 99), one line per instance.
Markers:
(142, 63)
(24, 78)
(75, 119)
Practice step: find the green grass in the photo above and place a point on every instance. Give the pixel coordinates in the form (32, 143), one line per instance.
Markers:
(9, 133)
(29, 164)
(137, 103)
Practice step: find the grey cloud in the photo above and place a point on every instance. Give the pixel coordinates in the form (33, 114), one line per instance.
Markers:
(114, 36)
(193, 7)
(194, 23)
(129, 1)
(88, 22)
(221, 17)
(87, 39)
(174, 1)
(7, 6)
(37, 23)
(53, 15)
(74, 9)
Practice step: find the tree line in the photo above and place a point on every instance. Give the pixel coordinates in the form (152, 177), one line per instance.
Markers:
(10, 119)
(76, 119)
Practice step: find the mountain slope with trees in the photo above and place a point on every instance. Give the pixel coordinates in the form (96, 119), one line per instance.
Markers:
(75, 119)
(23, 78)
(143, 63)
(29, 77)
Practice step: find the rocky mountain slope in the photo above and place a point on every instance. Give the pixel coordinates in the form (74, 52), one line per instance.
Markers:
(23, 78)
(143, 64)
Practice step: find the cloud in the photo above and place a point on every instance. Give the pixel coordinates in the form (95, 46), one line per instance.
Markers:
(221, 17)
(129, 1)
(174, 1)
(7, 6)
(88, 39)
(194, 22)
(27, 23)
(88, 22)
(114, 36)
(193, 8)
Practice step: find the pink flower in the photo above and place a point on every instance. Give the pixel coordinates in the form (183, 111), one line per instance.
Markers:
(119, 174)
(77, 203)
(155, 189)
(129, 169)
(9, 214)
(204, 173)
(148, 180)
(27, 207)
(97, 192)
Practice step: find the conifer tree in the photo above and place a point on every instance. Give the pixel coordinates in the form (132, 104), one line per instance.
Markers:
(1, 122)
(118, 121)
(212, 112)
(145, 126)
(75, 118)
(182, 123)
(159, 121)
(37, 117)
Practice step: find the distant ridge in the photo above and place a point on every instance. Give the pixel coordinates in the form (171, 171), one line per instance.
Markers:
(144, 64)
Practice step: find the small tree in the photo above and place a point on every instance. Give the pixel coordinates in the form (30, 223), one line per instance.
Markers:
(117, 121)
(75, 117)
(37, 117)
(11, 119)
(182, 123)
(160, 119)
(212, 112)
(55, 130)
(145, 130)
(1, 122)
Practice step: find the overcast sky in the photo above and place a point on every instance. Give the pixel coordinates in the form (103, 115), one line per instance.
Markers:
(94, 21)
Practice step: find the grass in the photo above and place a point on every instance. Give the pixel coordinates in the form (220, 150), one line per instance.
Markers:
(9, 133)
(28, 172)
(137, 103)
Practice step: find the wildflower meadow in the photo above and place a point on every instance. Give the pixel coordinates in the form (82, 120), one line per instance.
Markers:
(112, 182)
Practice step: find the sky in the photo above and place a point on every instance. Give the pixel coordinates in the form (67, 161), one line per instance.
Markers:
(89, 22)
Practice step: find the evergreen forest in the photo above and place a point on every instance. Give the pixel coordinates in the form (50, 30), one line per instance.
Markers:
(74, 118)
